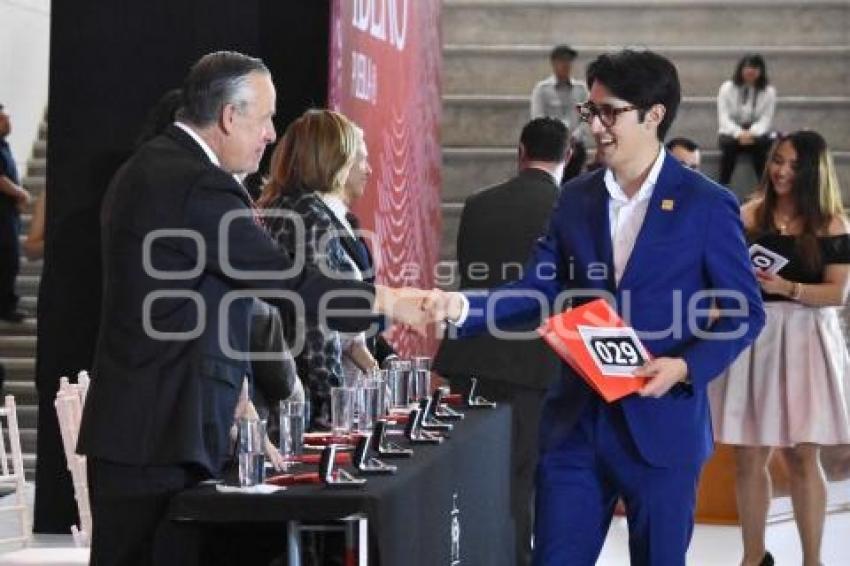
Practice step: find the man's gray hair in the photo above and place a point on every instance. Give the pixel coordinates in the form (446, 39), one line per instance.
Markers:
(217, 79)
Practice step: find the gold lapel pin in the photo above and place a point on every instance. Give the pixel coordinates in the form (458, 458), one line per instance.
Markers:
(668, 204)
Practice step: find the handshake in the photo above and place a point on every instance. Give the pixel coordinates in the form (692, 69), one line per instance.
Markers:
(419, 308)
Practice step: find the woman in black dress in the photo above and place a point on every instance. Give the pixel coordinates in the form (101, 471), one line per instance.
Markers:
(790, 389)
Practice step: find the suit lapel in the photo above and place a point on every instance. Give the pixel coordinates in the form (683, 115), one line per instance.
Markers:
(660, 216)
(353, 247)
(600, 228)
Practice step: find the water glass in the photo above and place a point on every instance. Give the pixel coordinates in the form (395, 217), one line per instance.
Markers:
(351, 377)
(421, 362)
(382, 384)
(403, 384)
(397, 387)
(421, 378)
(342, 409)
(370, 401)
(252, 459)
(292, 422)
(420, 384)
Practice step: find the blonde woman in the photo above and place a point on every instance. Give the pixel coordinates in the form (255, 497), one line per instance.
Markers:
(309, 170)
(790, 389)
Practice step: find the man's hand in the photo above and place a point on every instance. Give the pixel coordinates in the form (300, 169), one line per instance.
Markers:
(22, 197)
(405, 305)
(444, 306)
(663, 373)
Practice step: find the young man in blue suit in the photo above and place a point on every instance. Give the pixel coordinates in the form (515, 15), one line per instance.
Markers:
(664, 244)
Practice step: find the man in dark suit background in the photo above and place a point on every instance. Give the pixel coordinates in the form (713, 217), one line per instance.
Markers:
(178, 238)
(498, 228)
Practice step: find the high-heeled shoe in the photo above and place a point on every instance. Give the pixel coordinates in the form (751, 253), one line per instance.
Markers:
(767, 560)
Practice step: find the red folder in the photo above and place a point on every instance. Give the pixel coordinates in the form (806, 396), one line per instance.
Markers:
(566, 333)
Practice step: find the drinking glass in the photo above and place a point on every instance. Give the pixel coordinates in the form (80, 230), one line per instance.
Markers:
(371, 399)
(397, 387)
(291, 429)
(342, 409)
(421, 379)
(252, 459)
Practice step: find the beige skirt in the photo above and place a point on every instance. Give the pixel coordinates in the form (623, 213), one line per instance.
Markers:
(791, 386)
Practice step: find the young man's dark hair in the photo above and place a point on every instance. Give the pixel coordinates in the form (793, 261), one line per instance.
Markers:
(545, 139)
(641, 78)
(756, 61)
(563, 52)
(687, 143)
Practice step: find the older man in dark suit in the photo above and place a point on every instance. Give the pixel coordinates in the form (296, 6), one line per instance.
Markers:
(179, 240)
(498, 228)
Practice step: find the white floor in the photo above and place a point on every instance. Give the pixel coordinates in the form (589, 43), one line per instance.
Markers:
(711, 545)
(721, 546)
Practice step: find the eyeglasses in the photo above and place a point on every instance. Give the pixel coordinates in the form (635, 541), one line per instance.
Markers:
(606, 112)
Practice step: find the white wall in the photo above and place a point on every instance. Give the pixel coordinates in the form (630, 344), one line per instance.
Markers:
(24, 64)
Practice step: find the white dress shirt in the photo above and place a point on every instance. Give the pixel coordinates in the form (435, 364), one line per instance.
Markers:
(338, 207)
(207, 149)
(552, 99)
(340, 210)
(741, 105)
(200, 141)
(625, 215)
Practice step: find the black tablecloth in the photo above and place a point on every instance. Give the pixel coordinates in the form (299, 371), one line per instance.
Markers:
(464, 481)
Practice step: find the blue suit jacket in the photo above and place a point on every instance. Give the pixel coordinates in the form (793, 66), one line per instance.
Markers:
(691, 241)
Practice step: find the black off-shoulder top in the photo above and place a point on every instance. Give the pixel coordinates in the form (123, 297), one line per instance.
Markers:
(834, 249)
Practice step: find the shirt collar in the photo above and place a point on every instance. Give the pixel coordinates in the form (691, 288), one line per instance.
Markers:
(200, 141)
(336, 205)
(645, 191)
(566, 83)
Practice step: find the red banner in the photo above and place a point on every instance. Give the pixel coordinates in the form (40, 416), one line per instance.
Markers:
(385, 64)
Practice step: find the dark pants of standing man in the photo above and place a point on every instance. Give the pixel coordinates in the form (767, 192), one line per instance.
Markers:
(129, 505)
(10, 257)
(526, 403)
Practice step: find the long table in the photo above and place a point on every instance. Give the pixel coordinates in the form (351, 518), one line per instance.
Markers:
(448, 504)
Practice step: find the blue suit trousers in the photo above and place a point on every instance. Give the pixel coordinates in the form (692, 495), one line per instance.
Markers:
(580, 480)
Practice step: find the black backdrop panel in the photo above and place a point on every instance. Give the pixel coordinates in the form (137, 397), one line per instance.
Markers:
(110, 61)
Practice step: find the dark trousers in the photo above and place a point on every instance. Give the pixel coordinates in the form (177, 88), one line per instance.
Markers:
(526, 404)
(10, 257)
(129, 506)
(55, 509)
(580, 480)
(730, 148)
(575, 166)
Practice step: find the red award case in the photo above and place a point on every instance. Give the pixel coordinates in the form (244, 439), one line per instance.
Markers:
(599, 346)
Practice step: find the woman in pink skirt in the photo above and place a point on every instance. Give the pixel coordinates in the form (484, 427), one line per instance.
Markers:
(791, 388)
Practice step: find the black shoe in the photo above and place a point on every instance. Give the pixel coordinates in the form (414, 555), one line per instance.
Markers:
(14, 316)
(767, 560)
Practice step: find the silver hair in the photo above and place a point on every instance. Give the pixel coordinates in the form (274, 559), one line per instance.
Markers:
(216, 80)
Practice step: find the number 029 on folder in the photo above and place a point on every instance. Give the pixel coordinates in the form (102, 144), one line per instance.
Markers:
(598, 345)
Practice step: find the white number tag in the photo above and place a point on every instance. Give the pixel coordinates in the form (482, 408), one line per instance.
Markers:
(767, 260)
(617, 352)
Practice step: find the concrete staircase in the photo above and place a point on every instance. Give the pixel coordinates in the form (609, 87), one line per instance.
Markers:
(496, 50)
(18, 341)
